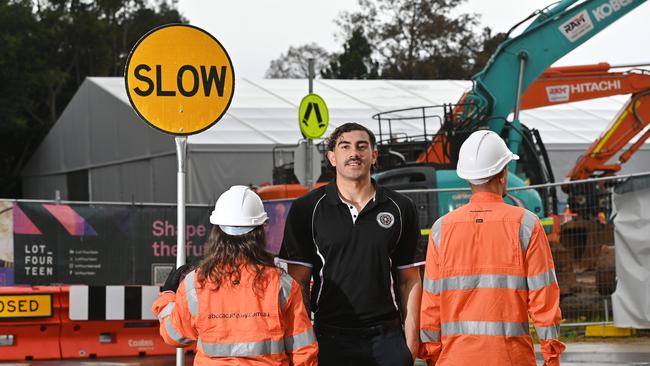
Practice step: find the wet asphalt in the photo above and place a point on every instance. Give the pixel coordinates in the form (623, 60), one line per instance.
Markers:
(578, 354)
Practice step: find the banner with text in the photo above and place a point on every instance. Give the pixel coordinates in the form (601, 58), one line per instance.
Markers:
(111, 244)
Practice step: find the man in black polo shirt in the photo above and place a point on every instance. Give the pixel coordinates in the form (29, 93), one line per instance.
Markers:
(359, 242)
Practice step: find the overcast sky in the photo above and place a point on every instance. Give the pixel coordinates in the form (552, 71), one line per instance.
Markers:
(256, 32)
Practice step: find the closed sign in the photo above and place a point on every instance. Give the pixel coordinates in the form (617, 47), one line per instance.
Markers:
(25, 306)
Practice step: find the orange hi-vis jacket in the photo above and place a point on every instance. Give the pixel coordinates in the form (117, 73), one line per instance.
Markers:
(488, 268)
(234, 326)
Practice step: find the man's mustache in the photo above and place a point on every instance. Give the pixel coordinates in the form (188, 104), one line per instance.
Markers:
(358, 160)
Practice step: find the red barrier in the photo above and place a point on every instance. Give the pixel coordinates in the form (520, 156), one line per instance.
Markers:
(109, 338)
(30, 323)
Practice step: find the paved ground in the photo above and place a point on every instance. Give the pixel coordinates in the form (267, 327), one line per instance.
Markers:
(636, 353)
(632, 353)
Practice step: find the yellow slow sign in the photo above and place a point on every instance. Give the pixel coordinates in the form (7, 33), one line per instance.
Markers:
(25, 306)
(179, 79)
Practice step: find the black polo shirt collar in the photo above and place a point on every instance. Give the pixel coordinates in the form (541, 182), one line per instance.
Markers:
(333, 198)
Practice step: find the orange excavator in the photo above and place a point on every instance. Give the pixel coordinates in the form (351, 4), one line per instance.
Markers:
(588, 236)
(559, 85)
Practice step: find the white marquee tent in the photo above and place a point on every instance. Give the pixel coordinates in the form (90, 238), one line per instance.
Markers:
(99, 150)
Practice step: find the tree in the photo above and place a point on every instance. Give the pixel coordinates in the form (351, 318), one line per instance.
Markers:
(294, 63)
(485, 47)
(49, 47)
(417, 39)
(355, 62)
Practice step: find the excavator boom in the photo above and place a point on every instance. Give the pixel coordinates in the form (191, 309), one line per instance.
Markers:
(629, 123)
(520, 60)
(516, 64)
(558, 85)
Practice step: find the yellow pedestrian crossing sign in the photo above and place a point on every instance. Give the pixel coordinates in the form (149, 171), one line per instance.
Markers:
(313, 116)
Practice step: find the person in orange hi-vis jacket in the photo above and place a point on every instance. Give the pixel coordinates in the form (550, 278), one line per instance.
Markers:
(488, 268)
(237, 305)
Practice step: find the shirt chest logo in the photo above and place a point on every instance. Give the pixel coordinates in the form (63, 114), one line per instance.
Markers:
(385, 219)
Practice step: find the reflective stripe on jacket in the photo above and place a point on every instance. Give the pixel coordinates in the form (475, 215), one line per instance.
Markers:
(489, 267)
(234, 326)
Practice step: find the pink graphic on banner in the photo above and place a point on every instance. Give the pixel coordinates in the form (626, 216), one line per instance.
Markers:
(73, 223)
(22, 223)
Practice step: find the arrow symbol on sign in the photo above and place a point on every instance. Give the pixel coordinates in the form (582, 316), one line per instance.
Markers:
(305, 118)
(319, 118)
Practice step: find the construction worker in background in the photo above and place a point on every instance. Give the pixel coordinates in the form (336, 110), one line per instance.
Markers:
(359, 241)
(237, 305)
(488, 268)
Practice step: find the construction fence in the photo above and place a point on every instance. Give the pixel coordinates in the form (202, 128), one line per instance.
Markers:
(46, 242)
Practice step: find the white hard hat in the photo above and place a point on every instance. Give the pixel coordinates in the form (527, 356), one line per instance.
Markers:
(238, 211)
(483, 155)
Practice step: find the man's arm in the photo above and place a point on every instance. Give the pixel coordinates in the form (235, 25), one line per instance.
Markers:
(175, 317)
(302, 275)
(299, 339)
(298, 248)
(430, 307)
(410, 287)
(543, 289)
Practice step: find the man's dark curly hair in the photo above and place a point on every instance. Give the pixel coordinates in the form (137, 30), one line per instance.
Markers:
(347, 127)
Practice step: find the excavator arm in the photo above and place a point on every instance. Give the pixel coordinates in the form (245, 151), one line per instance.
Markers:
(567, 84)
(631, 121)
(497, 90)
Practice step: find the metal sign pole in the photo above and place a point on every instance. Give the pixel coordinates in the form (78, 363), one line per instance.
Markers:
(181, 157)
(309, 161)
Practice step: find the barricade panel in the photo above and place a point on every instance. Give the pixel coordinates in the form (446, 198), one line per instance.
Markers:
(112, 338)
(30, 323)
(110, 321)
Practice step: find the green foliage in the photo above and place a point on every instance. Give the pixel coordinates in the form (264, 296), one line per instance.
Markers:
(355, 62)
(48, 49)
(485, 47)
(421, 39)
(294, 63)
(409, 39)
